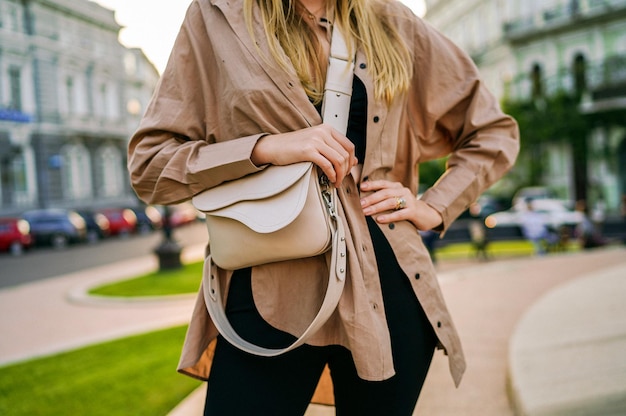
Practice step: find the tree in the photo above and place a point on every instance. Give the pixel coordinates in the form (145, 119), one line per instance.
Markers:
(553, 119)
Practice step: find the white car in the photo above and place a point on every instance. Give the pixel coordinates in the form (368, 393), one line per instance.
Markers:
(554, 212)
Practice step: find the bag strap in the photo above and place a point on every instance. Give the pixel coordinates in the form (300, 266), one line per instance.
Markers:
(335, 109)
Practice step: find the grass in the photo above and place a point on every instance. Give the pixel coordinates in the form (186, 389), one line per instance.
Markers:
(131, 376)
(187, 279)
(169, 282)
(495, 249)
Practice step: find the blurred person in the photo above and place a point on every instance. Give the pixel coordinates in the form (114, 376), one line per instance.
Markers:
(243, 90)
(598, 216)
(534, 229)
(586, 232)
(478, 232)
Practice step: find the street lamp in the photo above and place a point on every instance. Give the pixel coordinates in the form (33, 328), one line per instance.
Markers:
(169, 250)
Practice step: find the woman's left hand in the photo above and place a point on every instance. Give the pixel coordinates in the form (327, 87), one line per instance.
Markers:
(395, 202)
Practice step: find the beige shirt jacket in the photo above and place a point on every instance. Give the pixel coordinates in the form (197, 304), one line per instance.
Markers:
(219, 95)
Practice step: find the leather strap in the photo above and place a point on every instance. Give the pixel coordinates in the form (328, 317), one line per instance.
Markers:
(335, 108)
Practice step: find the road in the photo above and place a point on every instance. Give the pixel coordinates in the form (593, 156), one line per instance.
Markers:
(41, 263)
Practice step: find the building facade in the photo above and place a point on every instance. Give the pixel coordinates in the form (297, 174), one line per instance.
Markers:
(70, 96)
(531, 50)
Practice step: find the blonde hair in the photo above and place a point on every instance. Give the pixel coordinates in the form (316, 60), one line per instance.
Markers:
(387, 56)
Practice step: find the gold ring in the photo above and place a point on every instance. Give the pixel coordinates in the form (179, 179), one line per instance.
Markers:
(400, 203)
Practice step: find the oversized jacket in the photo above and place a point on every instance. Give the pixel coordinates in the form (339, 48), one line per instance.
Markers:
(221, 92)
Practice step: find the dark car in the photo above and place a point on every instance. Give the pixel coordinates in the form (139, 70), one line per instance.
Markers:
(122, 221)
(15, 235)
(56, 227)
(97, 224)
(148, 219)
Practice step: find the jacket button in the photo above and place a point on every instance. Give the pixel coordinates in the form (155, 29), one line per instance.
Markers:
(376, 119)
(417, 276)
(363, 65)
(439, 324)
(392, 226)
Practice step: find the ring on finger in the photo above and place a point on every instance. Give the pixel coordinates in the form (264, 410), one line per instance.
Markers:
(400, 203)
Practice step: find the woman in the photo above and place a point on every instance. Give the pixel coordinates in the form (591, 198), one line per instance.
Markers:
(242, 90)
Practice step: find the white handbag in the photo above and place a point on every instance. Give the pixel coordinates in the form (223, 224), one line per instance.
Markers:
(281, 213)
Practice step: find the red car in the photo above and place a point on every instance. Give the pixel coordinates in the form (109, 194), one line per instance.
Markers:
(122, 221)
(15, 235)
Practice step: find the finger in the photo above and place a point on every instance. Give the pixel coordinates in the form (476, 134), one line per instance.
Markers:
(388, 202)
(376, 185)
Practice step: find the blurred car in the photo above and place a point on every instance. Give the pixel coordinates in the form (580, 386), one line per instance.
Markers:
(98, 226)
(148, 219)
(532, 193)
(122, 221)
(15, 235)
(554, 213)
(182, 214)
(56, 227)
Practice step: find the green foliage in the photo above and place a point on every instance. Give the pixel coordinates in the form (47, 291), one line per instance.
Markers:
(167, 282)
(132, 376)
(430, 171)
(551, 120)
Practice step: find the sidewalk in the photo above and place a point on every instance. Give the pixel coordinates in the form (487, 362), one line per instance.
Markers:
(493, 304)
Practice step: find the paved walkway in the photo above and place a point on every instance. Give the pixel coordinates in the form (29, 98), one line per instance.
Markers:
(517, 305)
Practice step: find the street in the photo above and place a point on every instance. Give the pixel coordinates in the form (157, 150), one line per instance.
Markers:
(41, 263)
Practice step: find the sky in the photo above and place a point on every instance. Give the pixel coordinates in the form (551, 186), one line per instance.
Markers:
(152, 25)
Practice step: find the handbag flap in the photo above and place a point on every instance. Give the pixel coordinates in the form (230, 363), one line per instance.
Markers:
(283, 190)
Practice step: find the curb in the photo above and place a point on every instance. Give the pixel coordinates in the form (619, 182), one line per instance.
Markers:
(566, 354)
(80, 294)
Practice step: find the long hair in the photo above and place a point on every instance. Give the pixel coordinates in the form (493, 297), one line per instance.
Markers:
(292, 42)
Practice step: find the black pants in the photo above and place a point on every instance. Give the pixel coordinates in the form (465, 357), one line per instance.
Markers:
(241, 384)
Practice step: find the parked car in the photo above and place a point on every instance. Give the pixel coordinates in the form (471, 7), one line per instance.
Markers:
(182, 214)
(122, 221)
(15, 235)
(98, 226)
(554, 212)
(532, 193)
(56, 227)
(148, 219)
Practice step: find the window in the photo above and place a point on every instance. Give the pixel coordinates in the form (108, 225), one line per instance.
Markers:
(69, 88)
(580, 73)
(76, 172)
(15, 85)
(537, 81)
(111, 170)
(18, 168)
(104, 101)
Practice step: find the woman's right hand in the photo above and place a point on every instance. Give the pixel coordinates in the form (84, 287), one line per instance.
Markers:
(322, 145)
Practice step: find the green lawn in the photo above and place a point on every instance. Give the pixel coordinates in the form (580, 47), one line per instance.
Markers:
(170, 282)
(496, 249)
(187, 279)
(131, 376)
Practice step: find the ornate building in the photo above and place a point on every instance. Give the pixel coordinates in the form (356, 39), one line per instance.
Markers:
(70, 96)
(532, 51)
